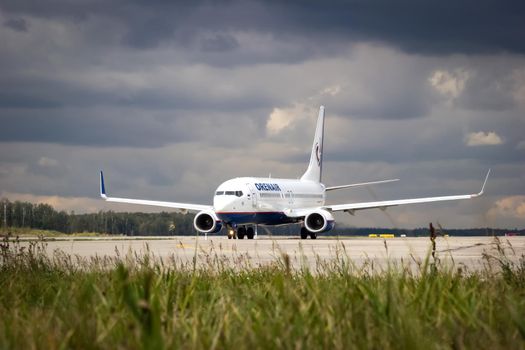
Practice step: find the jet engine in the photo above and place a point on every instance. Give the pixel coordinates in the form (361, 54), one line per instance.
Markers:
(319, 221)
(207, 222)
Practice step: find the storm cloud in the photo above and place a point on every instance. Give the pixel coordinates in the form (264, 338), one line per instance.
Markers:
(442, 27)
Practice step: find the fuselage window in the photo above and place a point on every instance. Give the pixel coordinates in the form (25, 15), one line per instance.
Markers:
(219, 193)
(270, 195)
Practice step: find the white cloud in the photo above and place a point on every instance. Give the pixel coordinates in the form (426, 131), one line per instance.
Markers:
(47, 162)
(449, 83)
(278, 120)
(483, 139)
(331, 90)
(509, 207)
(282, 118)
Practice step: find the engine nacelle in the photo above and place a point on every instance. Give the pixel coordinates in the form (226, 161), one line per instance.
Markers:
(207, 222)
(319, 221)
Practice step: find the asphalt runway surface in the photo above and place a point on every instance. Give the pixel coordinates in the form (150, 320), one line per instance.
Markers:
(468, 253)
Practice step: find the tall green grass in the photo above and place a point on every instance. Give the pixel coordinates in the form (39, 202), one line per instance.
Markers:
(138, 301)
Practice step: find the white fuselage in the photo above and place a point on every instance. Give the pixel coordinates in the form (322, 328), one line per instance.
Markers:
(250, 200)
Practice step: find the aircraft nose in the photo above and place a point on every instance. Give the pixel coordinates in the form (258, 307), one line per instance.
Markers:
(223, 203)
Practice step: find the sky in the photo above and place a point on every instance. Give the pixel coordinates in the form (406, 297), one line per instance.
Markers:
(171, 98)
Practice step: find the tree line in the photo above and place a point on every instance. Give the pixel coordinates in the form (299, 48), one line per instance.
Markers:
(44, 216)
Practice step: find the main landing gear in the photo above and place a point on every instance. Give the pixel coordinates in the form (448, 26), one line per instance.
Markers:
(305, 233)
(242, 232)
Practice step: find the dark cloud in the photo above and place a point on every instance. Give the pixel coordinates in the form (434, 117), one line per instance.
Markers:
(129, 127)
(18, 24)
(78, 10)
(441, 27)
(491, 90)
(14, 100)
(149, 33)
(92, 127)
(219, 42)
(436, 27)
(386, 99)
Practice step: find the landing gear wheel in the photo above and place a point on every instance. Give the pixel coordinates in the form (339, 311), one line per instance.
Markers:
(250, 232)
(241, 232)
(304, 233)
(231, 234)
(313, 235)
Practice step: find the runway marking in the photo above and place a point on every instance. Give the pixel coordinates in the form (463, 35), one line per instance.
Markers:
(464, 247)
(183, 246)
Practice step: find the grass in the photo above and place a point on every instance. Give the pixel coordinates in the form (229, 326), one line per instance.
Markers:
(26, 231)
(137, 302)
(32, 232)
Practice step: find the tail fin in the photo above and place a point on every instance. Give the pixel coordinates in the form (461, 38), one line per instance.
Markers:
(315, 168)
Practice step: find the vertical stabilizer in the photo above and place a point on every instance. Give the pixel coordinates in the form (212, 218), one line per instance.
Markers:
(314, 171)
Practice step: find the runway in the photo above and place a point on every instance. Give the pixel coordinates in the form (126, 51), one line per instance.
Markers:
(468, 253)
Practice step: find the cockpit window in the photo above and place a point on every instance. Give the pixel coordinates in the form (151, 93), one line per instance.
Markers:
(229, 193)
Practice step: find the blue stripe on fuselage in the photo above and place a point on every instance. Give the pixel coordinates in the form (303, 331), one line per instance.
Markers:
(263, 218)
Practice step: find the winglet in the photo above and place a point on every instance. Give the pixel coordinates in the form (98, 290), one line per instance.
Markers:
(484, 183)
(102, 186)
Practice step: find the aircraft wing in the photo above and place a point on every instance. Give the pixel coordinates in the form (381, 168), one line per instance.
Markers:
(351, 207)
(184, 207)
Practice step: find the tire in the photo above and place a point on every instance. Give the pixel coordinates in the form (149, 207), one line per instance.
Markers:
(241, 232)
(250, 232)
(304, 233)
(313, 235)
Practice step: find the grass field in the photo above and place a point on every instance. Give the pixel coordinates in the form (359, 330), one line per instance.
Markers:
(139, 302)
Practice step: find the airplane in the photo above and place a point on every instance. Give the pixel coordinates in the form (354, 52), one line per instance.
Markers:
(241, 204)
